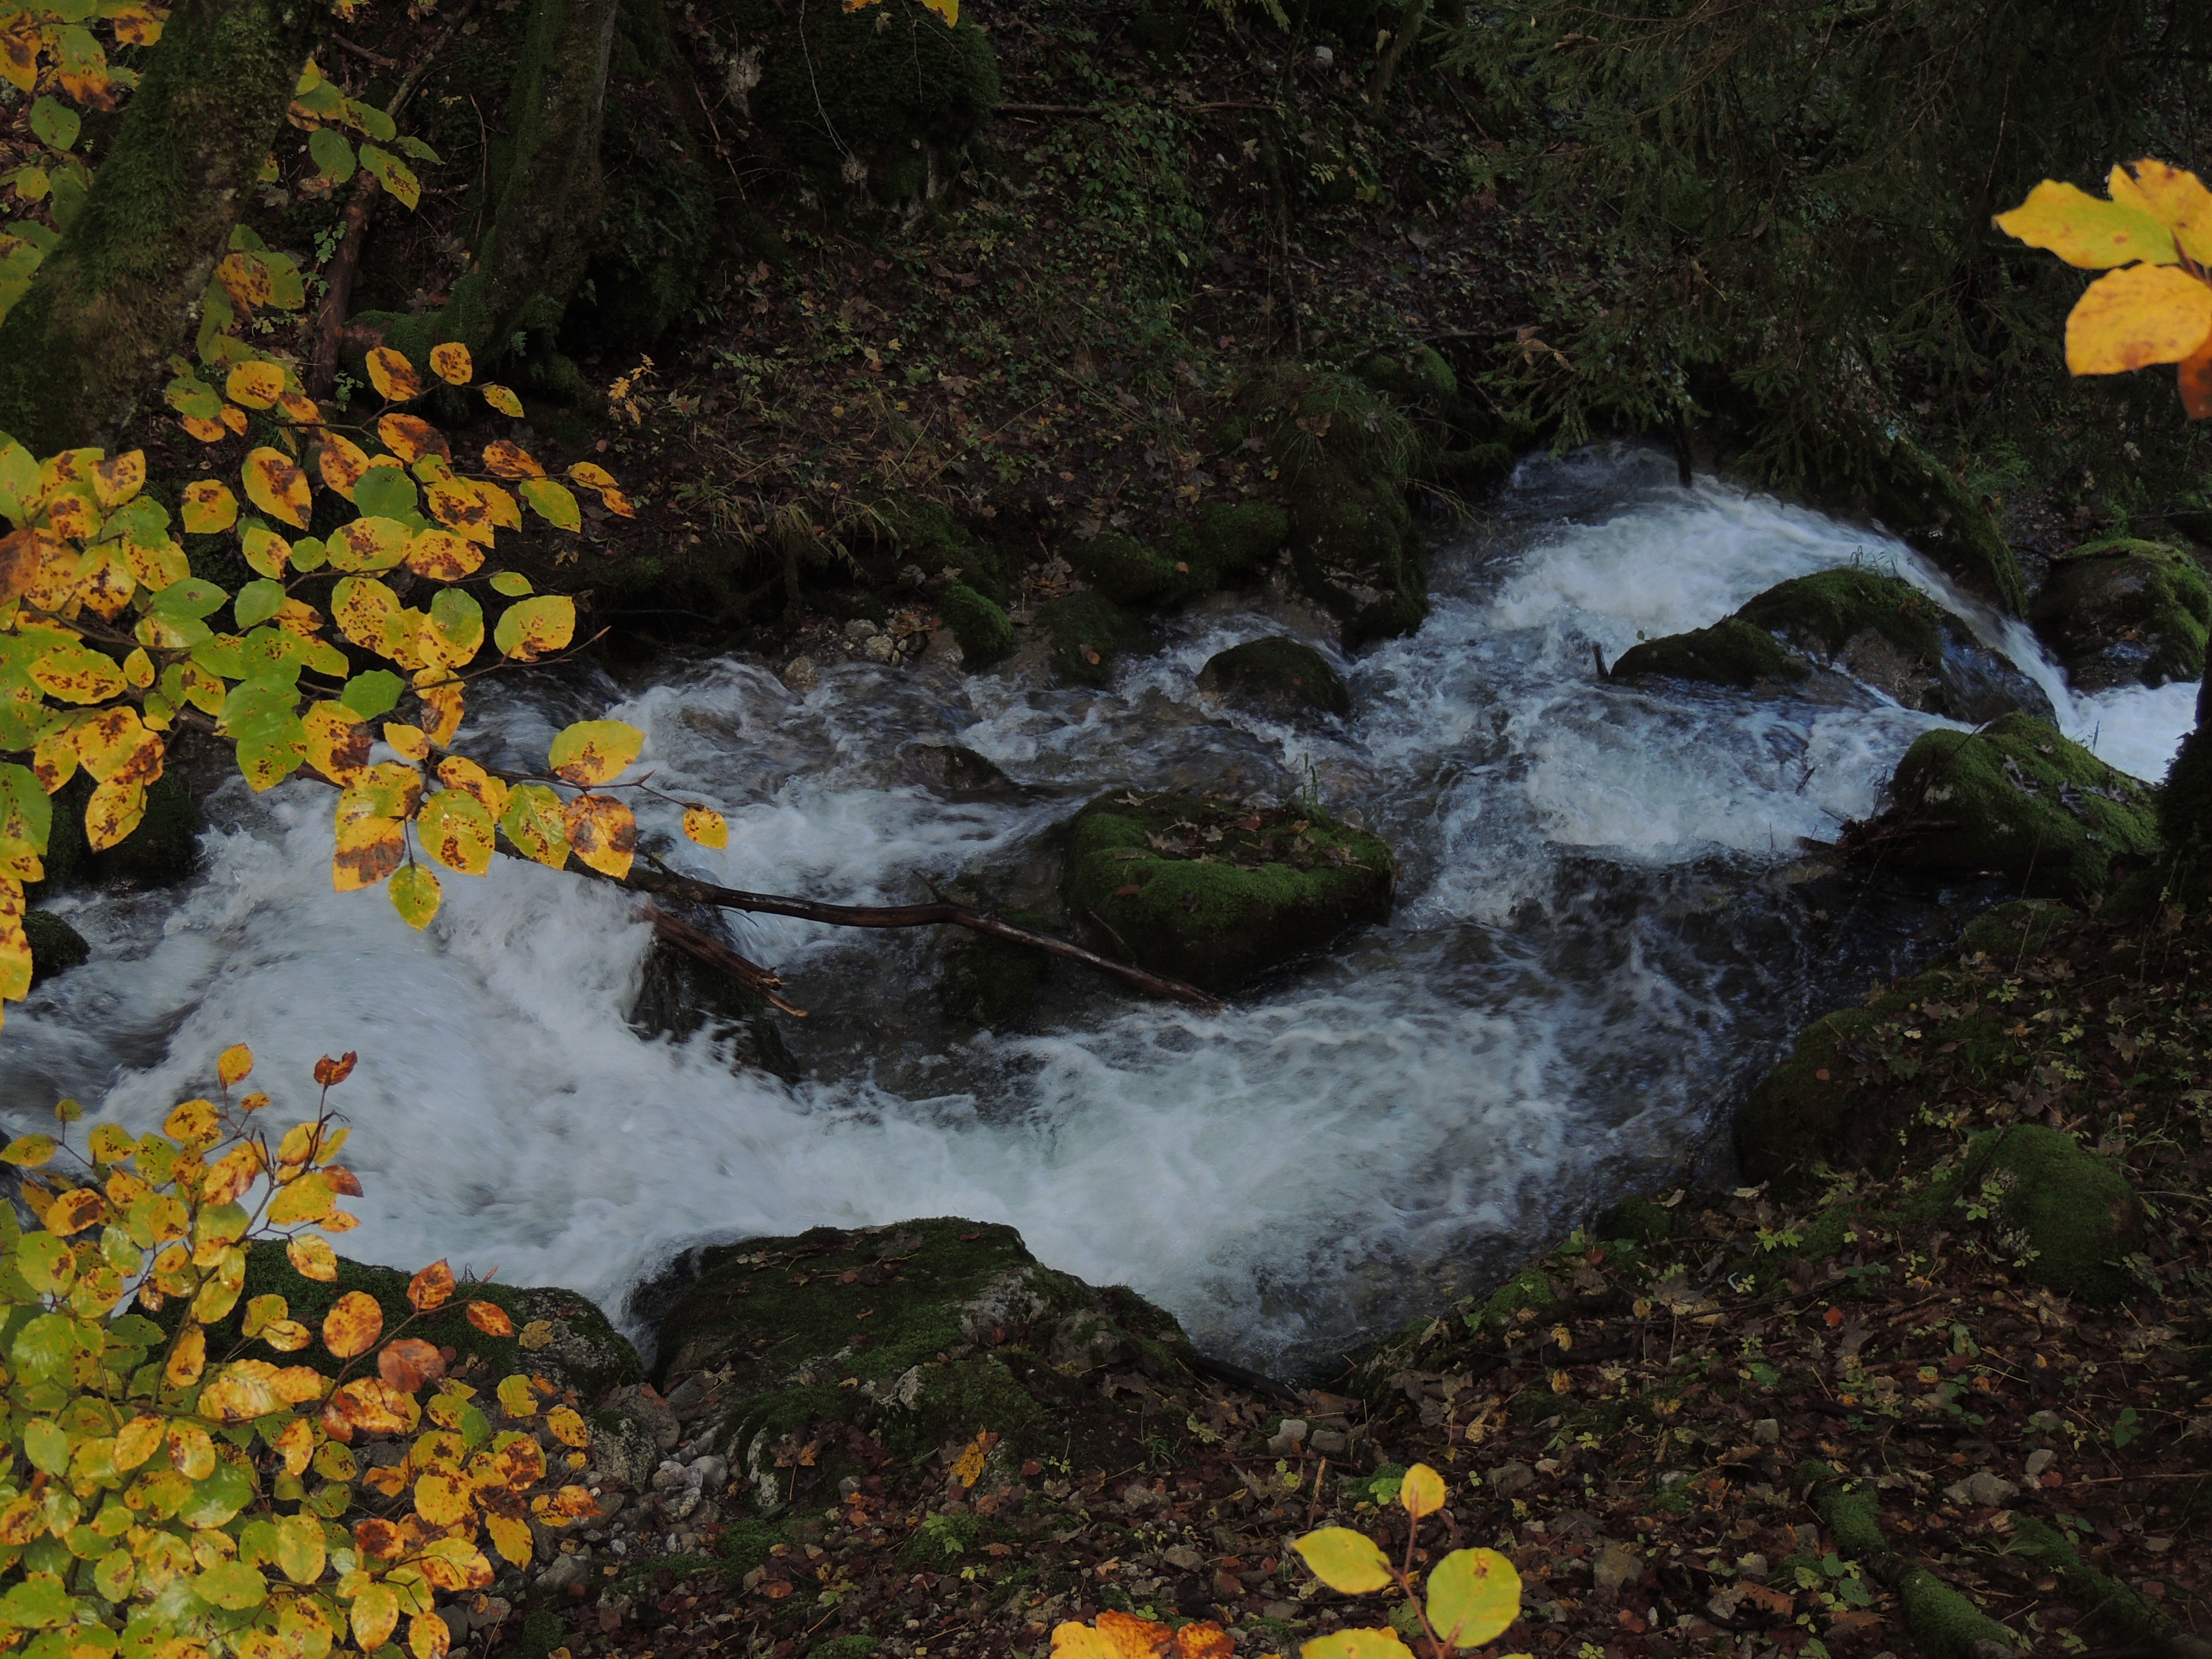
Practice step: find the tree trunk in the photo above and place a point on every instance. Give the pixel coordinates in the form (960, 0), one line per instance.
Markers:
(549, 200)
(109, 303)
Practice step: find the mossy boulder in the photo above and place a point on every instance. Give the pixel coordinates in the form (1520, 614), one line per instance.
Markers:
(876, 104)
(1277, 677)
(932, 539)
(1920, 499)
(1087, 631)
(2120, 612)
(2016, 799)
(982, 630)
(1123, 568)
(56, 947)
(1419, 376)
(1215, 891)
(2069, 1218)
(1343, 451)
(1732, 652)
(1230, 542)
(1804, 1110)
(1877, 628)
(921, 1334)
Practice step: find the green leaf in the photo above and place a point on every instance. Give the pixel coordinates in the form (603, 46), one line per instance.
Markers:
(231, 1585)
(19, 477)
(1344, 1560)
(39, 1603)
(331, 155)
(45, 1345)
(189, 598)
(46, 1444)
(28, 1151)
(530, 629)
(47, 1263)
(258, 601)
(421, 151)
(552, 502)
(218, 1498)
(135, 1331)
(375, 693)
(1473, 1594)
(512, 583)
(309, 553)
(385, 492)
(371, 120)
(55, 122)
(394, 174)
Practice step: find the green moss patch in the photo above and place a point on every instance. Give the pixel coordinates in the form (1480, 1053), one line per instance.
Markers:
(2015, 798)
(980, 629)
(1732, 652)
(1215, 891)
(2066, 1218)
(1087, 632)
(1829, 609)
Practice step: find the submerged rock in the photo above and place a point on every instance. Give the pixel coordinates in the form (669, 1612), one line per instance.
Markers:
(921, 1334)
(2117, 612)
(1214, 891)
(959, 773)
(1879, 629)
(994, 981)
(2015, 798)
(1279, 678)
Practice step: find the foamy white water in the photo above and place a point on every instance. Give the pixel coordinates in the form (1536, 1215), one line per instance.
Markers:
(1601, 938)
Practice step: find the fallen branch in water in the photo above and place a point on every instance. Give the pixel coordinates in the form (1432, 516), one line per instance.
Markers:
(671, 885)
(679, 935)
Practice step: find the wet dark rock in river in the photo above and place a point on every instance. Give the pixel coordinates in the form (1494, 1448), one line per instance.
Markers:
(2120, 612)
(1279, 678)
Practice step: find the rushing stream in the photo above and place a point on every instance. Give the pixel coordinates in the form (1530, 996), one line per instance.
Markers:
(1606, 929)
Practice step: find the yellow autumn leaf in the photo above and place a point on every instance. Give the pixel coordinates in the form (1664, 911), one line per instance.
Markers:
(341, 462)
(1421, 1491)
(2128, 320)
(504, 400)
(707, 827)
(2084, 231)
(451, 363)
(594, 752)
(394, 378)
(1344, 1560)
(276, 485)
(457, 831)
(235, 1063)
(312, 1258)
(256, 385)
(1357, 1645)
(602, 833)
(2176, 198)
(208, 507)
(188, 1358)
(1473, 1596)
(352, 1324)
(337, 741)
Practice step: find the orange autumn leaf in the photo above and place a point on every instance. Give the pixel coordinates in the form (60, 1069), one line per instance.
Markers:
(407, 1363)
(392, 375)
(491, 1318)
(432, 1288)
(353, 1324)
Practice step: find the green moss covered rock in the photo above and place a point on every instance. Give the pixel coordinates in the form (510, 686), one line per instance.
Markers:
(1087, 631)
(1123, 568)
(1278, 678)
(1920, 499)
(962, 1331)
(1232, 542)
(1732, 652)
(1877, 628)
(2121, 612)
(2014, 797)
(979, 627)
(2069, 1218)
(1214, 891)
(56, 947)
(1802, 1111)
(1228, 543)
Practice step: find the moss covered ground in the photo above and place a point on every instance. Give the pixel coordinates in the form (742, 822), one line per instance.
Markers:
(1214, 892)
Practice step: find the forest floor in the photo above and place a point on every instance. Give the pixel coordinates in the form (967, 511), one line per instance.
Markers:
(1648, 1426)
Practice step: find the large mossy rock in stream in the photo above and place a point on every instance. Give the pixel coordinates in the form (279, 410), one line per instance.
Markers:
(1925, 502)
(1214, 891)
(2014, 799)
(1878, 628)
(921, 1334)
(56, 947)
(2124, 612)
(1086, 632)
(1277, 677)
(1344, 453)
(1229, 542)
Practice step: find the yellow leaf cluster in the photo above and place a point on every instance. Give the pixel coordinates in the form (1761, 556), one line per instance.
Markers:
(2152, 238)
(236, 1473)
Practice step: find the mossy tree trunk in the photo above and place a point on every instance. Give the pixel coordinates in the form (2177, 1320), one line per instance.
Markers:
(549, 202)
(80, 349)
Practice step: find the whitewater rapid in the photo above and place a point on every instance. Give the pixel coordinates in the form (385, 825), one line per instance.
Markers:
(1601, 937)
